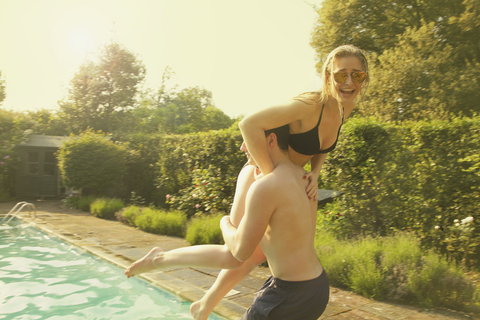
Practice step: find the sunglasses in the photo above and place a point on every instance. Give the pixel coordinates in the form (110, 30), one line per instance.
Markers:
(357, 76)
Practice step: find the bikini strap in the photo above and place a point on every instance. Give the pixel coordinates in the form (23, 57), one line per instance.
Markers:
(321, 114)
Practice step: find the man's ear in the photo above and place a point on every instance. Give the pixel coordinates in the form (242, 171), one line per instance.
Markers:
(272, 140)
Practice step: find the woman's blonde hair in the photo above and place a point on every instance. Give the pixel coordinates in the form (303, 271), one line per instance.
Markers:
(328, 85)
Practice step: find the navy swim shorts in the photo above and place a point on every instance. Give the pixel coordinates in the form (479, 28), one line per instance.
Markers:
(290, 300)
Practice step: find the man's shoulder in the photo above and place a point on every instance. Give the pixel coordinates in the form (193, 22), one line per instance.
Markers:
(272, 181)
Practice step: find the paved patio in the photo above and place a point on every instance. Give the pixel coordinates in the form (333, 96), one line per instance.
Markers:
(122, 244)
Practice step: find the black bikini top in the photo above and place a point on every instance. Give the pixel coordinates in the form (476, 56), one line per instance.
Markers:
(308, 143)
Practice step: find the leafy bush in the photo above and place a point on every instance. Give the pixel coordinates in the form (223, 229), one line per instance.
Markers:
(419, 176)
(129, 213)
(13, 130)
(92, 163)
(217, 152)
(83, 203)
(394, 269)
(204, 230)
(171, 223)
(162, 222)
(106, 208)
(206, 194)
(71, 202)
(159, 165)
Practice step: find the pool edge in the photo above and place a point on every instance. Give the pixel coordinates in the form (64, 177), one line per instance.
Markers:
(185, 290)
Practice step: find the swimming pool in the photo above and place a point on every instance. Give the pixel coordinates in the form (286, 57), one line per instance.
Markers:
(42, 277)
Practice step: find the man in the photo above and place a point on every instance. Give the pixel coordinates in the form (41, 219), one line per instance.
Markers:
(276, 221)
(280, 217)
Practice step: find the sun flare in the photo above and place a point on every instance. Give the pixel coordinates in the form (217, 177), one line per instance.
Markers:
(81, 40)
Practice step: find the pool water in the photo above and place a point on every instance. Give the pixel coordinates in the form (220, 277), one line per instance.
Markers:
(42, 277)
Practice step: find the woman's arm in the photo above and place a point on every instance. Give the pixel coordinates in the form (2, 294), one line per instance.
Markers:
(253, 128)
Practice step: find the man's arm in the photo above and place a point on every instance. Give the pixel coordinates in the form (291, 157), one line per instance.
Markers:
(243, 240)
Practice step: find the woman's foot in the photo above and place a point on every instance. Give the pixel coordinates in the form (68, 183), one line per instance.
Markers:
(146, 264)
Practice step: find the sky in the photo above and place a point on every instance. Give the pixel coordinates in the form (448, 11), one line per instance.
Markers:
(250, 54)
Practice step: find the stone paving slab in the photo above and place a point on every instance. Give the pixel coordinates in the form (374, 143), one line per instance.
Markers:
(122, 244)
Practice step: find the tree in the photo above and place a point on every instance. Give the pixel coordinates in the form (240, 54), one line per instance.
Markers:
(92, 163)
(13, 130)
(46, 122)
(3, 93)
(374, 25)
(102, 92)
(424, 54)
(417, 79)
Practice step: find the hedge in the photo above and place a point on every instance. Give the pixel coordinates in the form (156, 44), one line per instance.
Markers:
(161, 165)
(421, 177)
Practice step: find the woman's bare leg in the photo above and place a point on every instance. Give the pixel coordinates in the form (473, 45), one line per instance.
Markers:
(226, 280)
(202, 256)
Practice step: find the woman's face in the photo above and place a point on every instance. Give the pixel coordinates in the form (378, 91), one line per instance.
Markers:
(349, 90)
(250, 160)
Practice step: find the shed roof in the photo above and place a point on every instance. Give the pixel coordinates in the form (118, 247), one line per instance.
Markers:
(44, 141)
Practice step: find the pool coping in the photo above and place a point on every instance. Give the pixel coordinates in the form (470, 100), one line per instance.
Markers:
(185, 290)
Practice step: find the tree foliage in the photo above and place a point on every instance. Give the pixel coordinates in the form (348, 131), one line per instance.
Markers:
(176, 111)
(424, 54)
(92, 163)
(417, 79)
(102, 92)
(3, 93)
(13, 130)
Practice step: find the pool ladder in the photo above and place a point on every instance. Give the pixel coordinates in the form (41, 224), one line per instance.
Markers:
(20, 206)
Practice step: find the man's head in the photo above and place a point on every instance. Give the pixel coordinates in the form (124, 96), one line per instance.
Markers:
(280, 135)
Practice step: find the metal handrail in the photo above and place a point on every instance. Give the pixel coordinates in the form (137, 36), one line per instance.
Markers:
(22, 205)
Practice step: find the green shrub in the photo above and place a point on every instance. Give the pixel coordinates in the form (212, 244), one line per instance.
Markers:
(171, 223)
(409, 177)
(71, 202)
(106, 208)
(204, 230)
(218, 152)
(129, 213)
(207, 194)
(13, 130)
(394, 269)
(92, 162)
(82, 203)
(85, 202)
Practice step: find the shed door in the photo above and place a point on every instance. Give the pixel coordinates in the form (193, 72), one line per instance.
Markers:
(39, 176)
(49, 177)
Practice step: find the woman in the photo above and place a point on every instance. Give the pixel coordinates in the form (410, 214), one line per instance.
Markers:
(314, 120)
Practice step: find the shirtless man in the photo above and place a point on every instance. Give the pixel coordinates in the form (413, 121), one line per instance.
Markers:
(280, 217)
(279, 223)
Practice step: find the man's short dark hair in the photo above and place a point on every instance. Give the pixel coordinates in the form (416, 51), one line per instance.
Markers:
(282, 134)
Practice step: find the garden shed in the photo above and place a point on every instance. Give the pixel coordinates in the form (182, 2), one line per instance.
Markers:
(38, 174)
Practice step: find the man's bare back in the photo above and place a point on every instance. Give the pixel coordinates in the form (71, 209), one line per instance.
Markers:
(288, 242)
(282, 219)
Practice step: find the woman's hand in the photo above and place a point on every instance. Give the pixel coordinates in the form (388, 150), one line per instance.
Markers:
(312, 187)
(258, 173)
